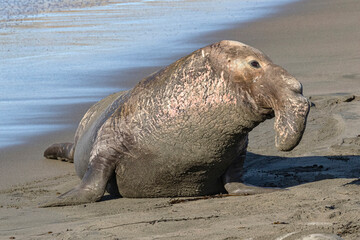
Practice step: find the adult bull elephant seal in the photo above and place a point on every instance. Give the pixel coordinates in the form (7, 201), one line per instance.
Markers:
(183, 131)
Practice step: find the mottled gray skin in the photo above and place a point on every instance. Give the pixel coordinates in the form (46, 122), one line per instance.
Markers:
(183, 131)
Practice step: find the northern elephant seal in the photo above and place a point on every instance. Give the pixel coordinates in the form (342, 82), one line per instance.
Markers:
(183, 131)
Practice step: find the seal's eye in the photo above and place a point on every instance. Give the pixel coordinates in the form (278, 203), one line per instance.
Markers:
(255, 64)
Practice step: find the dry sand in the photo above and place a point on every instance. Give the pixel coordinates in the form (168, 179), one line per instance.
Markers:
(318, 42)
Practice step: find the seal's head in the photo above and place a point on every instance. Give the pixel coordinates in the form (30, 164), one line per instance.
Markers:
(270, 87)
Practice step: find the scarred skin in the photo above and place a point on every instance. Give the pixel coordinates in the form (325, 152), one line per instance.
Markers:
(183, 131)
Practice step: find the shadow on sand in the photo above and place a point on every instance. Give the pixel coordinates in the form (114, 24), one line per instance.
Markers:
(284, 172)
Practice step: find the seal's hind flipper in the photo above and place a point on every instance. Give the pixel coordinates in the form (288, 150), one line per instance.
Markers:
(61, 151)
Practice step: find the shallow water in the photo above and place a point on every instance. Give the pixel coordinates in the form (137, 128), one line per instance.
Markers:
(55, 54)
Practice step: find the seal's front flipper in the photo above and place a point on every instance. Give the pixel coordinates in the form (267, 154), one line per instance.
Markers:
(75, 196)
(61, 151)
(232, 178)
(238, 188)
(92, 186)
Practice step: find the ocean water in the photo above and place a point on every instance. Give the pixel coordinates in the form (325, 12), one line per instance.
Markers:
(55, 53)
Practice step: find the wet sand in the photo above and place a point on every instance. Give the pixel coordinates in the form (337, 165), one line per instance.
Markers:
(317, 42)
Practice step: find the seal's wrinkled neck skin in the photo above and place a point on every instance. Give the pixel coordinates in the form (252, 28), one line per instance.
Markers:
(197, 99)
(269, 89)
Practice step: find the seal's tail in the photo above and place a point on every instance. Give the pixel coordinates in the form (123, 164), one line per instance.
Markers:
(61, 151)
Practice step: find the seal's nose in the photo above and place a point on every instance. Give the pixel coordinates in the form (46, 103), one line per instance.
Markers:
(293, 84)
(290, 82)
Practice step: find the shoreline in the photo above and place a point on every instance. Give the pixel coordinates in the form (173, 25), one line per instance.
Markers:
(317, 43)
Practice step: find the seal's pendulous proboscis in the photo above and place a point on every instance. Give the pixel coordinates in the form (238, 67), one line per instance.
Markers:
(183, 131)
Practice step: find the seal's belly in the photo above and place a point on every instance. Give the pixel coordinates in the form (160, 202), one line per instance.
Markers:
(187, 168)
(169, 178)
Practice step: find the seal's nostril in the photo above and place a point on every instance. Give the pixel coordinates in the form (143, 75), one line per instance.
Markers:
(298, 88)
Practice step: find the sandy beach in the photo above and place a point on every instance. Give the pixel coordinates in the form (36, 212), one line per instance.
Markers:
(318, 43)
